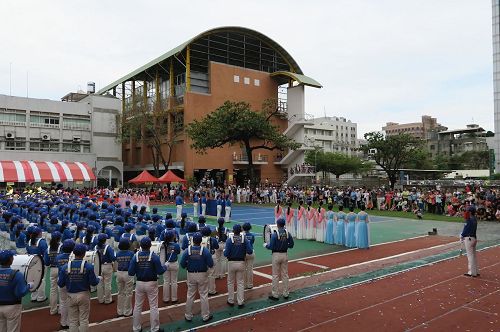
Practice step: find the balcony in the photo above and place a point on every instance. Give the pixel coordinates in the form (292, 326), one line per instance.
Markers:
(242, 159)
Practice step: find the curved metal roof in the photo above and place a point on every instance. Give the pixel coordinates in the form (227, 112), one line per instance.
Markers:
(301, 79)
(294, 67)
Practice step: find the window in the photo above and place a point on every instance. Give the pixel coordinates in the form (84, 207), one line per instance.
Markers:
(246, 80)
(52, 146)
(18, 144)
(71, 147)
(256, 82)
(76, 123)
(236, 79)
(12, 117)
(45, 120)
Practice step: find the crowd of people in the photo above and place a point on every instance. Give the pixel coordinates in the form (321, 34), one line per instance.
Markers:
(69, 230)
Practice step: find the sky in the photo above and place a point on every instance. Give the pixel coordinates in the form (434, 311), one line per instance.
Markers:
(378, 60)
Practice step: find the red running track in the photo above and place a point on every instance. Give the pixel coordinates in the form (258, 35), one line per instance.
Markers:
(437, 297)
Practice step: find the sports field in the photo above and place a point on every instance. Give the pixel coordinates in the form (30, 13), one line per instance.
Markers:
(398, 244)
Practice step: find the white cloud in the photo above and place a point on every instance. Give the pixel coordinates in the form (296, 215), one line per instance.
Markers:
(379, 61)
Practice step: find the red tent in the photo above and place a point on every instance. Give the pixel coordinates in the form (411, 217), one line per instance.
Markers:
(144, 177)
(170, 177)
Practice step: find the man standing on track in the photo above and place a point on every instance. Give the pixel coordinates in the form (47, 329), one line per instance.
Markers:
(146, 266)
(228, 210)
(468, 236)
(236, 249)
(178, 203)
(197, 260)
(280, 242)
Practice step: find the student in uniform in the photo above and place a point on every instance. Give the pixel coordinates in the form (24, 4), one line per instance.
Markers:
(196, 202)
(249, 258)
(219, 206)
(220, 260)
(197, 260)
(280, 242)
(124, 282)
(12, 289)
(107, 259)
(350, 240)
(227, 214)
(237, 247)
(20, 239)
(62, 260)
(340, 230)
(330, 225)
(363, 233)
(301, 221)
(212, 245)
(203, 204)
(146, 266)
(178, 203)
(78, 276)
(37, 246)
(134, 244)
(469, 237)
(172, 250)
(50, 260)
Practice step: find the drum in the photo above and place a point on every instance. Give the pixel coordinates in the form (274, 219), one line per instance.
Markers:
(268, 231)
(156, 247)
(93, 258)
(31, 266)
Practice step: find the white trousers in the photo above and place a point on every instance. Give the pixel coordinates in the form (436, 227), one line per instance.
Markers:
(170, 282)
(219, 211)
(54, 271)
(179, 212)
(79, 310)
(235, 272)
(104, 287)
(195, 209)
(149, 290)
(227, 215)
(39, 294)
(197, 282)
(10, 318)
(63, 301)
(125, 285)
(211, 279)
(249, 270)
(220, 261)
(280, 269)
(203, 209)
(470, 248)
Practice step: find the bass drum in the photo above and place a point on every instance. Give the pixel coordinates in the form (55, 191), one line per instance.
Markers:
(32, 268)
(92, 257)
(268, 231)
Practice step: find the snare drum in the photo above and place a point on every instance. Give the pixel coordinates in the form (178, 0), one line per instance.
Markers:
(92, 257)
(268, 231)
(31, 266)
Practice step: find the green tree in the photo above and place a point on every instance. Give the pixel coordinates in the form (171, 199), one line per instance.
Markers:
(419, 160)
(236, 123)
(391, 152)
(336, 163)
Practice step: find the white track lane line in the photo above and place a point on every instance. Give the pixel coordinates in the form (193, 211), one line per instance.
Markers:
(315, 265)
(267, 276)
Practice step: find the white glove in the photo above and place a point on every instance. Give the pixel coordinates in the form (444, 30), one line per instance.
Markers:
(31, 285)
(100, 278)
(264, 245)
(167, 264)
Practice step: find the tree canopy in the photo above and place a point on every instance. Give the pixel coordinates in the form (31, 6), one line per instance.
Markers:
(336, 163)
(392, 152)
(236, 123)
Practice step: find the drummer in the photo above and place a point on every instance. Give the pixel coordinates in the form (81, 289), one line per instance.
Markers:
(124, 282)
(107, 259)
(77, 276)
(12, 289)
(37, 246)
(61, 260)
(172, 250)
(49, 259)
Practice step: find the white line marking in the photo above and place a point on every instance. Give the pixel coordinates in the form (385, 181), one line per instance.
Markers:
(263, 275)
(316, 265)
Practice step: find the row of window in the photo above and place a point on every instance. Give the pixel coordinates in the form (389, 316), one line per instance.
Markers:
(246, 80)
(36, 119)
(323, 132)
(20, 145)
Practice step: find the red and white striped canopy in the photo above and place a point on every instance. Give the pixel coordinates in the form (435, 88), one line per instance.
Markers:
(44, 171)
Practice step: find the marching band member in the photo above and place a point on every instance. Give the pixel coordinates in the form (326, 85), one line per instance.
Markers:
(37, 246)
(227, 215)
(20, 239)
(340, 230)
(61, 260)
(290, 224)
(311, 221)
(146, 266)
(279, 244)
(78, 276)
(212, 245)
(220, 261)
(278, 211)
(187, 240)
(237, 247)
(134, 244)
(117, 230)
(50, 260)
(203, 204)
(196, 260)
(301, 221)
(178, 203)
(330, 225)
(172, 251)
(65, 231)
(201, 222)
(107, 259)
(184, 223)
(196, 200)
(124, 282)
(219, 206)
(363, 238)
(249, 258)
(320, 223)
(350, 241)
(89, 239)
(12, 289)
(140, 228)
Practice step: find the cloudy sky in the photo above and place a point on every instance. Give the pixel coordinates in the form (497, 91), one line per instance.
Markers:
(378, 60)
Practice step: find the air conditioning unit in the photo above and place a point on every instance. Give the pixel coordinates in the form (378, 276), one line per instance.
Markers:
(77, 138)
(10, 135)
(45, 137)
